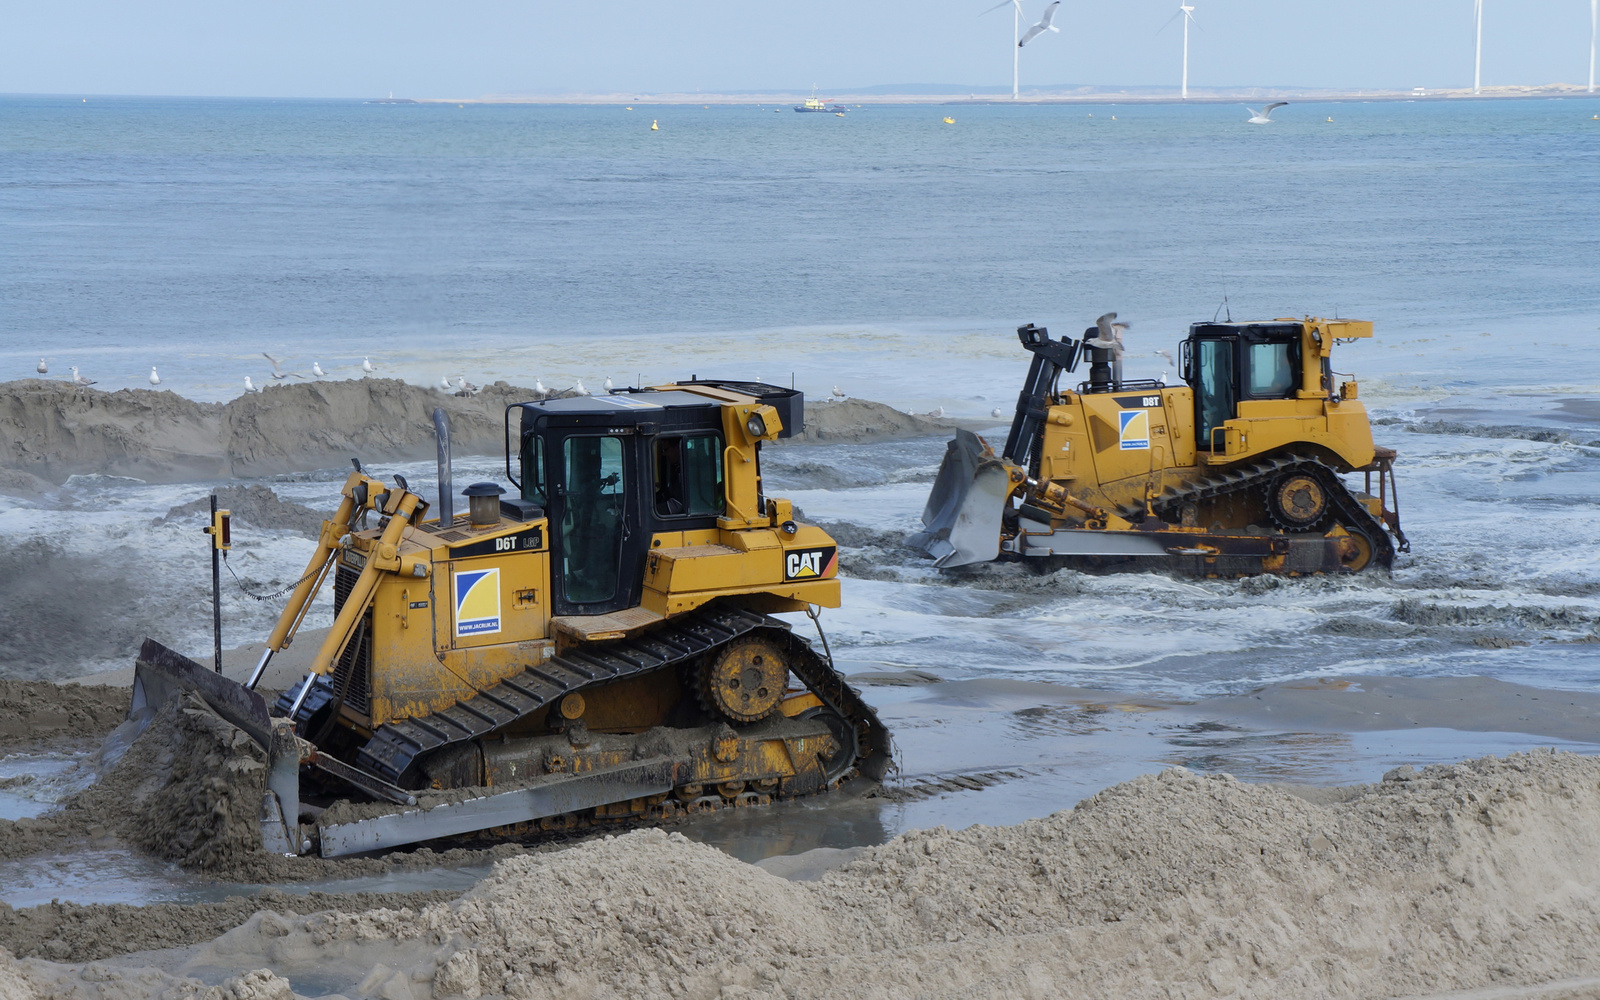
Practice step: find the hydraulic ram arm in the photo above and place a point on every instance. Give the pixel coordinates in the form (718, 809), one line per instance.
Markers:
(383, 557)
(358, 488)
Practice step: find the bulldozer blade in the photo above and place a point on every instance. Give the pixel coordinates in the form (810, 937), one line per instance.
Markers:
(159, 673)
(963, 516)
(550, 795)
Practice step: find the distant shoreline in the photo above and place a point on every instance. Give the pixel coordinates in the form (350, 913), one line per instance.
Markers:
(1558, 90)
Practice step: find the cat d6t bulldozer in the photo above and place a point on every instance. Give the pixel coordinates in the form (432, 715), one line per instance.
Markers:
(595, 645)
(1237, 471)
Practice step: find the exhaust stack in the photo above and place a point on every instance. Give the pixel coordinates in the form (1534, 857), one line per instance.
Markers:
(441, 433)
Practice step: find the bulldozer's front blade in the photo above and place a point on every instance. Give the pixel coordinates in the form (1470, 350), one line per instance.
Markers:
(160, 672)
(963, 516)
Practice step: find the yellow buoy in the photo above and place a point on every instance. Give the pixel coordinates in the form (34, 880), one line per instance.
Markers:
(949, 121)
(838, 114)
(1330, 118)
(627, 109)
(1113, 117)
(653, 126)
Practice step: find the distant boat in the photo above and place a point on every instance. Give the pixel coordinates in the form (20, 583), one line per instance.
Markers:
(948, 120)
(391, 99)
(813, 103)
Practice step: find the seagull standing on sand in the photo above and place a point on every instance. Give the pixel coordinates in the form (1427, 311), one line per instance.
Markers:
(1264, 116)
(465, 388)
(444, 384)
(42, 368)
(936, 412)
(277, 370)
(316, 370)
(366, 366)
(154, 378)
(838, 393)
(79, 381)
(1043, 26)
(249, 386)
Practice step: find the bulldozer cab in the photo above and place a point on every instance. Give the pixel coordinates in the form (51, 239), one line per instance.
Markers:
(612, 472)
(1225, 363)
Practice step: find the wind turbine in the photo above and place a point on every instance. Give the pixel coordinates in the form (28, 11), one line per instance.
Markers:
(1016, 33)
(1594, 23)
(1477, 61)
(1186, 10)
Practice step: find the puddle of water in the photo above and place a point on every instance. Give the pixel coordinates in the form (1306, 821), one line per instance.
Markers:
(31, 783)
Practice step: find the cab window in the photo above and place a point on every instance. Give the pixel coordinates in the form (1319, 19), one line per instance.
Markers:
(688, 475)
(1271, 371)
(533, 484)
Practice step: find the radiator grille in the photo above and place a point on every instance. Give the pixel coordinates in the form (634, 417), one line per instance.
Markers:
(353, 674)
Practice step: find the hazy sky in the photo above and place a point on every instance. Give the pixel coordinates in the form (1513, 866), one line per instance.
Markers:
(357, 48)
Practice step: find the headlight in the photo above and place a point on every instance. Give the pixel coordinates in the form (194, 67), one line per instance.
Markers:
(756, 426)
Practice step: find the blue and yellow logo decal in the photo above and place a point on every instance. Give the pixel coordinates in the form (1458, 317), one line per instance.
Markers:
(1134, 429)
(477, 601)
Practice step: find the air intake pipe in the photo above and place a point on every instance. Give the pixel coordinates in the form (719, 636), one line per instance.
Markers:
(441, 434)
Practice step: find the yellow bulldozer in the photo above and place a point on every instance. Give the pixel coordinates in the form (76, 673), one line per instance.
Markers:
(1235, 472)
(595, 645)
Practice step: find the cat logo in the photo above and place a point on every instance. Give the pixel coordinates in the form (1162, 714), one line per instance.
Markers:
(477, 602)
(1135, 429)
(810, 564)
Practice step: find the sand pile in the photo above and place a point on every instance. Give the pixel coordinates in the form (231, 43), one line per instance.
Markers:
(50, 430)
(1177, 884)
(255, 505)
(36, 713)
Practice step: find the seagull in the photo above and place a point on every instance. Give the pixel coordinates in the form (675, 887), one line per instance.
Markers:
(42, 369)
(465, 388)
(250, 386)
(838, 393)
(1110, 336)
(936, 412)
(444, 383)
(995, 413)
(609, 388)
(1163, 353)
(579, 389)
(154, 378)
(366, 365)
(1043, 26)
(79, 380)
(316, 370)
(1264, 116)
(277, 370)
(538, 386)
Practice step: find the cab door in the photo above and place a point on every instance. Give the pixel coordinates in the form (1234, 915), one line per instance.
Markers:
(597, 542)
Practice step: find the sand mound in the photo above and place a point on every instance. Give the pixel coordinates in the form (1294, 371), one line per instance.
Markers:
(256, 505)
(853, 420)
(38, 712)
(50, 430)
(1462, 876)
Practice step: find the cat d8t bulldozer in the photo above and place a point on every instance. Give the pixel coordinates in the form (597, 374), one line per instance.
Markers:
(1236, 472)
(596, 645)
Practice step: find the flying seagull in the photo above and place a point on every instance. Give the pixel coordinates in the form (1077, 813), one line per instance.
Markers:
(1043, 26)
(154, 378)
(277, 370)
(1109, 337)
(79, 380)
(1264, 116)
